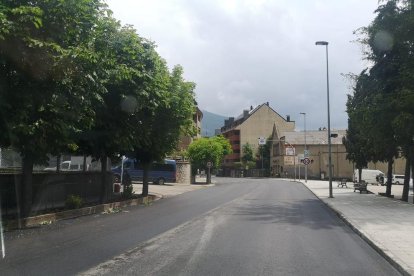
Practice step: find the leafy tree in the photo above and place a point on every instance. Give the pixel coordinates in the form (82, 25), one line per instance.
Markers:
(388, 52)
(247, 153)
(45, 95)
(172, 115)
(125, 70)
(356, 139)
(205, 150)
(263, 155)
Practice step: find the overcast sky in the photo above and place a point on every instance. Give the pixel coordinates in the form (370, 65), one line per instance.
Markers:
(247, 52)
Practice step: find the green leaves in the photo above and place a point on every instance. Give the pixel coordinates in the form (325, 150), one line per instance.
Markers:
(205, 150)
(72, 78)
(380, 108)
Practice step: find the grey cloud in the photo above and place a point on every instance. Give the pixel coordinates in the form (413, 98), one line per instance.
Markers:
(247, 56)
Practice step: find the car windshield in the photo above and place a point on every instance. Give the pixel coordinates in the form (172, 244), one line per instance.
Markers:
(210, 137)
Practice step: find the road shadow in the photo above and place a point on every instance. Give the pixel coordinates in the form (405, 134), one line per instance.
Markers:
(311, 213)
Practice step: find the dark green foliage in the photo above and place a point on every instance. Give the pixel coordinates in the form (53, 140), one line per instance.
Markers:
(212, 149)
(73, 79)
(247, 153)
(73, 202)
(128, 192)
(381, 117)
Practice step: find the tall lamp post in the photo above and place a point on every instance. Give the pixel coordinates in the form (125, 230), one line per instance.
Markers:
(325, 43)
(305, 152)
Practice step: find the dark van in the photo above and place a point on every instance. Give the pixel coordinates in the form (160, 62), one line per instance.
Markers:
(160, 172)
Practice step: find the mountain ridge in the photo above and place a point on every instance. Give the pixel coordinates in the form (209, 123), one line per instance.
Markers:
(210, 122)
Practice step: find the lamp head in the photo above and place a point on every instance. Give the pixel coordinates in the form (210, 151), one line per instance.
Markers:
(321, 43)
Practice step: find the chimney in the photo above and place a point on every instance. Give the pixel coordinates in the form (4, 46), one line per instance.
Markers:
(288, 118)
(267, 103)
(251, 108)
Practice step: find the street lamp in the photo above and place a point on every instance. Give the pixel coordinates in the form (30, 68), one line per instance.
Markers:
(325, 43)
(305, 152)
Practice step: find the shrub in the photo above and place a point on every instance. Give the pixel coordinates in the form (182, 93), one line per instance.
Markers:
(73, 202)
(128, 191)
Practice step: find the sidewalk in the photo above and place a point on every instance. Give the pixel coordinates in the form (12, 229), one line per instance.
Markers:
(170, 189)
(386, 224)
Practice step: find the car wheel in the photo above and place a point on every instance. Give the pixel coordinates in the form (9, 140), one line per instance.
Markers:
(161, 181)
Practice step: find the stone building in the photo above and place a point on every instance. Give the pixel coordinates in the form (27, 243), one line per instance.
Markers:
(288, 148)
(249, 126)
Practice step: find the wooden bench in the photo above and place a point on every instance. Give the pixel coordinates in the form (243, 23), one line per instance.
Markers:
(342, 183)
(361, 186)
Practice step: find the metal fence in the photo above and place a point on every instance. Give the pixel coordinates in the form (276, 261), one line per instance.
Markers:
(50, 190)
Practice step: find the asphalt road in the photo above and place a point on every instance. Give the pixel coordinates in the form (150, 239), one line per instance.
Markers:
(238, 227)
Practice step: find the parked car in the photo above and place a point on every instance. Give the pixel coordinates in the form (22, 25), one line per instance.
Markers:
(67, 166)
(160, 172)
(398, 179)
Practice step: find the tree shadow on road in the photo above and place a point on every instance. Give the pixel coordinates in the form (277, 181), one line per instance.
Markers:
(309, 213)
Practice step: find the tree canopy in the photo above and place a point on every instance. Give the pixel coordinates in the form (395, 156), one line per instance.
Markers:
(73, 79)
(205, 150)
(380, 107)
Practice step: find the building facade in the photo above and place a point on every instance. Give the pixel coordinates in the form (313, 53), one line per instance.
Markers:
(249, 126)
(185, 141)
(287, 153)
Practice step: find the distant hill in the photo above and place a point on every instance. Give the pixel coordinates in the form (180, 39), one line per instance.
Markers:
(211, 122)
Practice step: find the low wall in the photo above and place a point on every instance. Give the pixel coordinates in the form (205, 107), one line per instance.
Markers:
(50, 190)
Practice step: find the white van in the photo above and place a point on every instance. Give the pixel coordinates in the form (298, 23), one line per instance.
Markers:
(369, 176)
(398, 179)
(67, 166)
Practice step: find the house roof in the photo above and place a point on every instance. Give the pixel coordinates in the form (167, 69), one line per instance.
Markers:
(313, 137)
(243, 117)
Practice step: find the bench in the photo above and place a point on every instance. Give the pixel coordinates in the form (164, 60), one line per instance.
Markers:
(342, 183)
(361, 186)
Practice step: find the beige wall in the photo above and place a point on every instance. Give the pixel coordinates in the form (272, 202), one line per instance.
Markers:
(341, 167)
(260, 124)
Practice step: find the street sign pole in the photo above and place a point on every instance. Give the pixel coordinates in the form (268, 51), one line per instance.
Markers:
(209, 165)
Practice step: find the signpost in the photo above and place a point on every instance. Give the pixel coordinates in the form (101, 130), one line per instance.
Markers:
(209, 165)
(290, 151)
(262, 141)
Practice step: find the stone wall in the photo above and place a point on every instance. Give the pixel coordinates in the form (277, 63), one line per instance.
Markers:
(183, 172)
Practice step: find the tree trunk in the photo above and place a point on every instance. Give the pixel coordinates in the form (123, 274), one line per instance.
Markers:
(58, 161)
(145, 173)
(208, 178)
(389, 178)
(26, 187)
(407, 177)
(359, 175)
(193, 174)
(104, 167)
(84, 163)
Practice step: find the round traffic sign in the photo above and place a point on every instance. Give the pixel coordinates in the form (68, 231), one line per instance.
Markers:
(306, 161)
(209, 164)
